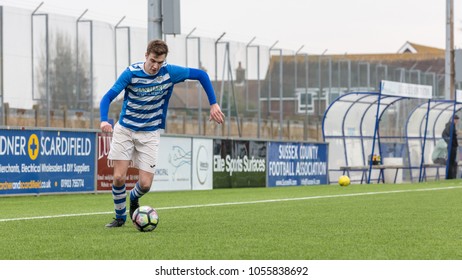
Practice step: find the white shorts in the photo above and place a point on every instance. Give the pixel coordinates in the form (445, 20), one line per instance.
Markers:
(140, 146)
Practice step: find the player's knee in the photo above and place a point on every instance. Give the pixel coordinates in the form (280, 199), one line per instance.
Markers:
(145, 182)
(119, 179)
(145, 188)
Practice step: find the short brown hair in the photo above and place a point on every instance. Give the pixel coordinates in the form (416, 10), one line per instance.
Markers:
(157, 47)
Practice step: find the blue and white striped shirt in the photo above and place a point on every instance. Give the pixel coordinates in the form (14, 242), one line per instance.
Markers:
(146, 96)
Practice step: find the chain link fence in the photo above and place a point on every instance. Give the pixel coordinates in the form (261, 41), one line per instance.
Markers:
(55, 69)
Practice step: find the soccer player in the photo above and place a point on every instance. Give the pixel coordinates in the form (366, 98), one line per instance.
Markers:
(148, 87)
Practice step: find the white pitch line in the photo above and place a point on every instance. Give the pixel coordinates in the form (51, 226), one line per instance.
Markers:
(239, 203)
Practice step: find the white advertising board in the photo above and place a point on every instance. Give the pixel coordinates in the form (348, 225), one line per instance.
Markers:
(202, 164)
(173, 171)
(406, 90)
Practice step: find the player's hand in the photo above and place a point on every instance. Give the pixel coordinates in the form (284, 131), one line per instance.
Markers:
(106, 127)
(216, 114)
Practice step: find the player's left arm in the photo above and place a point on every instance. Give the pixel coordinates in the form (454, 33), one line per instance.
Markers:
(215, 111)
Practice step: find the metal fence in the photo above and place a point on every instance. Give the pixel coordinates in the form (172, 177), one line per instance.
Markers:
(53, 63)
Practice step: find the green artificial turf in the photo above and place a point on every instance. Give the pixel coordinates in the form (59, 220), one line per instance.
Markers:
(358, 222)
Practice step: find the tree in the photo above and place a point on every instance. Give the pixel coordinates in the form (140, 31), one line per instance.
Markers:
(69, 83)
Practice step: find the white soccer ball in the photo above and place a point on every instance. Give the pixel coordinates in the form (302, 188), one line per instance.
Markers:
(145, 218)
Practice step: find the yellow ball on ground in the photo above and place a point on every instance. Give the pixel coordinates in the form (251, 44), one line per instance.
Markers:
(344, 180)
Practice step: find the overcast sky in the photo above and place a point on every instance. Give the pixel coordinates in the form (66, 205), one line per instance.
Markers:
(340, 26)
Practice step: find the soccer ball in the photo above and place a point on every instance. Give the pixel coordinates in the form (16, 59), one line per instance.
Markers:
(145, 218)
(344, 180)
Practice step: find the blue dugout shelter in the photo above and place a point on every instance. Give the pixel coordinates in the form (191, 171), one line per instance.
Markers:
(424, 128)
(399, 125)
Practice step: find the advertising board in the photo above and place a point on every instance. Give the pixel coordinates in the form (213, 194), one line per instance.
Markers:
(37, 161)
(297, 164)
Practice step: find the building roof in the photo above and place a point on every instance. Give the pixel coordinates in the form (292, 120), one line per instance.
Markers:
(409, 47)
(408, 52)
(409, 56)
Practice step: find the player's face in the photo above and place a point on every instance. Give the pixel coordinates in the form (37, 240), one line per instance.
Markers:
(153, 63)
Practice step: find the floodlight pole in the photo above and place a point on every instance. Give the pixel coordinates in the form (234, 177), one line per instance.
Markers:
(449, 56)
(154, 19)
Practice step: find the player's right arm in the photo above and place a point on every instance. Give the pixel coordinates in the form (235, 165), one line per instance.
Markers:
(121, 83)
(104, 109)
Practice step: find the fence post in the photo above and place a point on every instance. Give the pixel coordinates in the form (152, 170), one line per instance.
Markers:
(204, 125)
(271, 128)
(36, 108)
(65, 116)
(184, 124)
(7, 112)
(288, 129)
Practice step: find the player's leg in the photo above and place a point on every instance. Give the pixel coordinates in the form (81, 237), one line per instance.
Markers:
(146, 151)
(119, 192)
(141, 188)
(121, 152)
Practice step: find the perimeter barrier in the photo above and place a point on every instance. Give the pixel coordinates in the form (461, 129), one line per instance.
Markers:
(50, 161)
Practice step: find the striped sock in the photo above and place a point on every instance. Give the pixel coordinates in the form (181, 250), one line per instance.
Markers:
(136, 193)
(119, 195)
